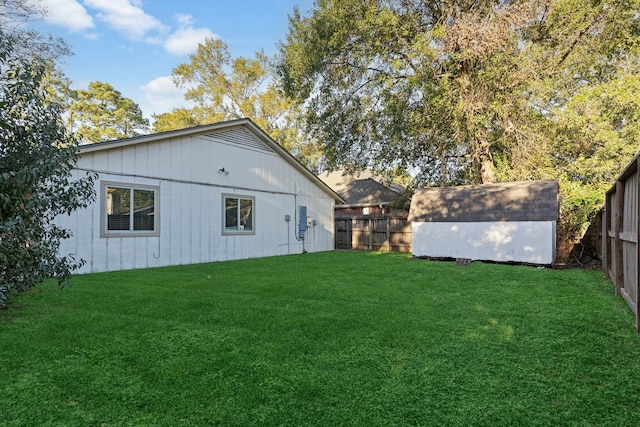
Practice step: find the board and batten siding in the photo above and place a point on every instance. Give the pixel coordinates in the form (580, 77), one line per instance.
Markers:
(186, 171)
(509, 222)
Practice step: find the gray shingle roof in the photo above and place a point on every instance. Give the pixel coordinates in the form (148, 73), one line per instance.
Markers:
(362, 189)
(511, 201)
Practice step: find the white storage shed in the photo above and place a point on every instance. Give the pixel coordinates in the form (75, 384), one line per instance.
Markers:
(508, 222)
(210, 193)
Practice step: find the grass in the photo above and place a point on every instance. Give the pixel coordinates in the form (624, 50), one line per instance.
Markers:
(341, 338)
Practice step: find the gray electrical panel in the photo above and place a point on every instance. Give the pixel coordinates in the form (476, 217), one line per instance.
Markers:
(302, 221)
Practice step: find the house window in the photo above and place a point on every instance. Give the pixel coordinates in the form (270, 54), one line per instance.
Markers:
(129, 210)
(238, 214)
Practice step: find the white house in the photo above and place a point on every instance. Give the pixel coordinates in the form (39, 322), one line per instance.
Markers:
(508, 222)
(210, 193)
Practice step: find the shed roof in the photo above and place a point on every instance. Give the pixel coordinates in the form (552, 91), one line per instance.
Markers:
(362, 189)
(205, 129)
(511, 201)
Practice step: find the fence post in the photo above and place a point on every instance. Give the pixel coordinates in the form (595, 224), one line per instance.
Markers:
(351, 233)
(619, 279)
(370, 233)
(637, 260)
(388, 233)
(606, 242)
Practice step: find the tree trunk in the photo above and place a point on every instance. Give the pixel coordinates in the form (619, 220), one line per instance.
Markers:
(487, 172)
(484, 158)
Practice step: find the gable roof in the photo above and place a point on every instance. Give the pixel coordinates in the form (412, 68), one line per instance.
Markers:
(361, 189)
(264, 143)
(509, 201)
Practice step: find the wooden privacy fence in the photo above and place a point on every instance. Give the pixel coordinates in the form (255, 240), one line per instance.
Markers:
(621, 234)
(374, 233)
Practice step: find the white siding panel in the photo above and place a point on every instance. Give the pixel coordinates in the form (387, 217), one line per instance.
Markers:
(196, 202)
(98, 250)
(140, 252)
(162, 167)
(166, 225)
(517, 241)
(69, 246)
(183, 212)
(130, 159)
(142, 159)
(127, 253)
(172, 213)
(95, 161)
(84, 235)
(190, 216)
(114, 160)
(114, 254)
(200, 163)
(197, 255)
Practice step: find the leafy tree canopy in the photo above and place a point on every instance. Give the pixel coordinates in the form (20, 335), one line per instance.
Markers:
(473, 91)
(101, 113)
(454, 90)
(226, 88)
(26, 42)
(37, 156)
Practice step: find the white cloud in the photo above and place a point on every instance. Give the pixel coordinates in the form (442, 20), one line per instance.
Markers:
(184, 20)
(154, 40)
(126, 16)
(185, 40)
(66, 13)
(161, 95)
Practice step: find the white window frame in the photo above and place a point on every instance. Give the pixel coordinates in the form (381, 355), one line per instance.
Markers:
(238, 232)
(104, 204)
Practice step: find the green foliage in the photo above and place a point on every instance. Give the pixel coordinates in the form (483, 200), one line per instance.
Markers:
(473, 91)
(226, 88)
(37, 156)
(15, 19)
(101, 113)
(178, 118)
(598, 133)
(329, 339)
(58, 91)
(579, 204)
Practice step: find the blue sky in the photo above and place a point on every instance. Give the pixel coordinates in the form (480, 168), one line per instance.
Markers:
(134, 44)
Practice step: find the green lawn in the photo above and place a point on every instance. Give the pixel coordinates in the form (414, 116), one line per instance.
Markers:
(341, 338)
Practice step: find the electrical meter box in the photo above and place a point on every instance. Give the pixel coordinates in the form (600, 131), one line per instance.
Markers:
(302, 221)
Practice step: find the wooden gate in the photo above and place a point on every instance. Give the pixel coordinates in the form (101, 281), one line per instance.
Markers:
(383, 233)
(621, 235)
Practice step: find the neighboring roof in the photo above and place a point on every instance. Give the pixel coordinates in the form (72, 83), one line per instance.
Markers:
(361, 189)
(511, 201)
(205, 129)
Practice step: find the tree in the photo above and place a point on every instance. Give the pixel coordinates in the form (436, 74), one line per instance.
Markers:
(101, 113)
(178, 118)
(224, 89)
(452, 90)
(58, 91)
(14, 17)
(37, 157)
(471, 91)
(598, 133)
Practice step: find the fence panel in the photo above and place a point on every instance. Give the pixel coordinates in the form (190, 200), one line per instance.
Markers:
(621, 236)
(343, 233)
(629, 240)
(378, 233)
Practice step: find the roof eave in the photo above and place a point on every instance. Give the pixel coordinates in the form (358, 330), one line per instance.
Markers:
(256, 130)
